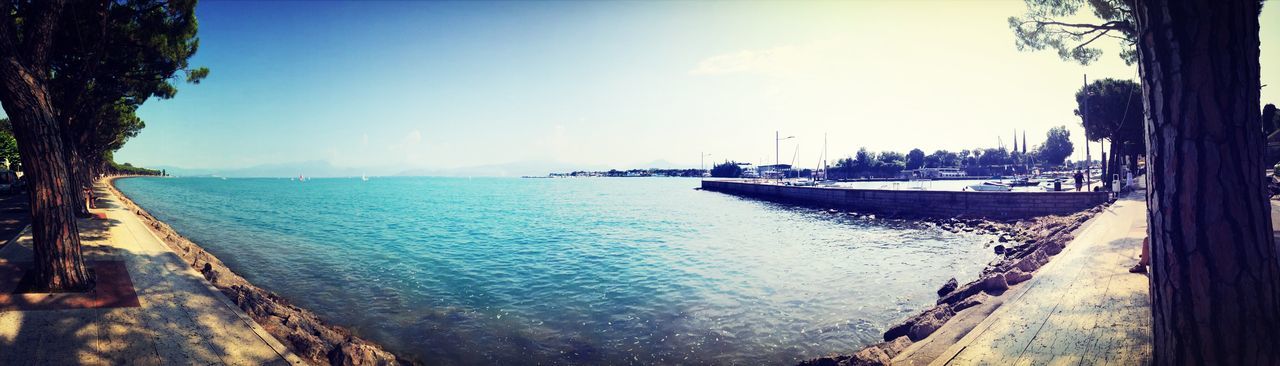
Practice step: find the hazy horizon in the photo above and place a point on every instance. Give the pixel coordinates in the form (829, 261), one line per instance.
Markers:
(440, 86)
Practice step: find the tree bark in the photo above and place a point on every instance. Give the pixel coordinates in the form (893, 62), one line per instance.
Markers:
(25, 95)
(1215, 275)
(76, 178)
(58, 264)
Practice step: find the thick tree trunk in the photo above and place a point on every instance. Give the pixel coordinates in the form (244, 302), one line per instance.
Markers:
(58, 264)
(1215, 275)
(76, 177)
(25, 96)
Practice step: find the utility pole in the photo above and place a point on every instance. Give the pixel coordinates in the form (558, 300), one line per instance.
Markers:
(1084, 116)
(777, 155)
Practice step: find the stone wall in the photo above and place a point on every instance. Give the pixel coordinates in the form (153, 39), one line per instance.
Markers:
(917, 202)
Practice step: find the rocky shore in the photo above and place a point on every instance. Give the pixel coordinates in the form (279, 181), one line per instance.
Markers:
(299, 329)
(1022, 247)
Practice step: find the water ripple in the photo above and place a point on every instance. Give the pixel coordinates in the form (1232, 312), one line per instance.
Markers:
(568, 271)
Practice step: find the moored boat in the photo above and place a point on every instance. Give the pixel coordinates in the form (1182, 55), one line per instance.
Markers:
(990, 187)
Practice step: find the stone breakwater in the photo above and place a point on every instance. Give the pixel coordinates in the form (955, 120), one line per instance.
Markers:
(1023, 246)
(1004, 205)
(301, 330)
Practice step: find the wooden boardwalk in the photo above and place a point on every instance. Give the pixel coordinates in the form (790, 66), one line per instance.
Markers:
(1083, 308)
(181, 318)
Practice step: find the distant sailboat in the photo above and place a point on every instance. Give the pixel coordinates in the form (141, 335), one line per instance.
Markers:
(302, 178)
(364, 177)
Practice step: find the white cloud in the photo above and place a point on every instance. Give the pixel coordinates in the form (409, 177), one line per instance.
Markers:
(782, 60)
(413, 138)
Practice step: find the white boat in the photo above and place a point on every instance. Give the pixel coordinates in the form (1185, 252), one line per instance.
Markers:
(364, 177)
(990, 187)
(1066, 185)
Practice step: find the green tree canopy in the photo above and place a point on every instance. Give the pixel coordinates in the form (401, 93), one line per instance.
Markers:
(915, 159)
(994, 156)
(727, 169)
(9, 145)
(1114, 111)
(942, 159)
(1057, 146)
(863, 160)
(1044, 26)
(110, 58)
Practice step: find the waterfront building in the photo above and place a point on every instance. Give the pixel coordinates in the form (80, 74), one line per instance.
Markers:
(932, 173)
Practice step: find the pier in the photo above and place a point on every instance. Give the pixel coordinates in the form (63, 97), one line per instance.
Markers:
(1006, 205)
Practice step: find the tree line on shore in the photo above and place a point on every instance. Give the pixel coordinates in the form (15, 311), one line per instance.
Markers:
(72, 76)
(979, 161)
(654, 172)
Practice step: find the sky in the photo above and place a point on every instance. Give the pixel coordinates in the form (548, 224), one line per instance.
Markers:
(441, 85)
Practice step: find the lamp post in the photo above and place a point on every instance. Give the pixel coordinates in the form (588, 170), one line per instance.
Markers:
(777, 148)
(702, 162)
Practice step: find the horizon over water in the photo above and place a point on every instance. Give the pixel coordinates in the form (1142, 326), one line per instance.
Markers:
(568, 271)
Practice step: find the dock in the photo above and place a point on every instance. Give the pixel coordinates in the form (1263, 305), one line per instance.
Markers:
(1082, 308)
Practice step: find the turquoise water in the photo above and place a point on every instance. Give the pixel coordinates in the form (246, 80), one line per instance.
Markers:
(568, 271)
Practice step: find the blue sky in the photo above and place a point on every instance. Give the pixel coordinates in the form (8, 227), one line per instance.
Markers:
(403, 85)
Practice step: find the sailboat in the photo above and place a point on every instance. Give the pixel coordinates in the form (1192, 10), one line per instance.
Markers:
(364, 177)
(302, 178)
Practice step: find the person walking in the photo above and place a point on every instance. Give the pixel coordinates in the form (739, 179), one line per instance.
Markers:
(88, 197)
(1079, 180)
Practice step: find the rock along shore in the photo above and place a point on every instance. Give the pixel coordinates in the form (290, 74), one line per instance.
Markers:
(299, 329)
(1023, 246)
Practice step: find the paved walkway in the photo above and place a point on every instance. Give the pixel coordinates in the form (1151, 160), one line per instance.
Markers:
(1084, 307)
(181, 320)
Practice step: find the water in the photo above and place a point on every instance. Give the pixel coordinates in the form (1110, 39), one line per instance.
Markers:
(568, 271)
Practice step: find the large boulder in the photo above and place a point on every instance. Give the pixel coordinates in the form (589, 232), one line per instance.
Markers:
(899, 330)
(969, 302)
(995, 284)
(894, 347)
(870, 356)
(307, 345)
(357, 354)
(1053, 248)
(930, 321)
(1027, 264)
(1016, 276)
(948, 287)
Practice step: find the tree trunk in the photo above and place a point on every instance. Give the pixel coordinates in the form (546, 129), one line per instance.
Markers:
(1215, 275)
(1114, 163)
(76, 174)
(1106, 168)
(58, 264)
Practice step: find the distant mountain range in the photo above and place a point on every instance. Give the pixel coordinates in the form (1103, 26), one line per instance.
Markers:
(325, 169)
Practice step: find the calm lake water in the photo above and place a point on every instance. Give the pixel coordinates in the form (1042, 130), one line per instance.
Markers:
(568, 271)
